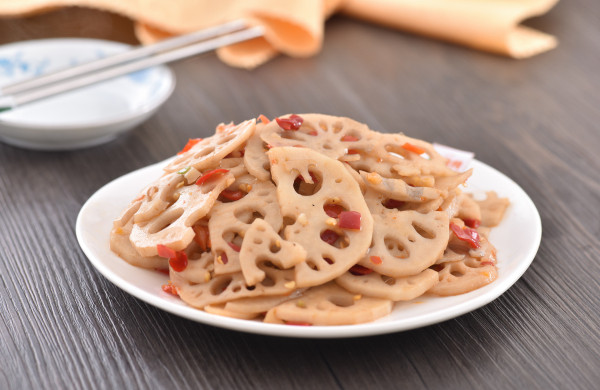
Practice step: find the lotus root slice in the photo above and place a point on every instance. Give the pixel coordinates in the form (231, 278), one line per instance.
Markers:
(330, 304)
(407, 242)
(386, 287)
(330, 135)
(120, 244)
(199, 290)
(324, 262)
(492, 209)
(459, 278)
(211, 150)
(228, 220)
(173, 227)
(262, 243)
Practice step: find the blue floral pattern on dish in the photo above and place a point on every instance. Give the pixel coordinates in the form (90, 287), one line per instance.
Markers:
(15, 66)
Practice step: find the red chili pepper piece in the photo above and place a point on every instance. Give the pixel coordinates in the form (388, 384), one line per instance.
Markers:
(191, 142)
(393, 204)
(170, 289)
(349, 220)
(224, 258)
(349, 138)
(353, 151)
(358, 270)
(292, 123)
(484, 263)
(376, 260)
(179, 262)
(297, 323)
(202, 236)
(466, 234)
(329, 236)
(208, 175)
(234, 247)
(232, 195)
(264, 119)
(313, 133)
(472, 223)
(333, 210)
(413, 148)
(165, 251)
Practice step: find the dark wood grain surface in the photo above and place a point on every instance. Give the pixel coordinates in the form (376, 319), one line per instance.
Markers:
(63, 325)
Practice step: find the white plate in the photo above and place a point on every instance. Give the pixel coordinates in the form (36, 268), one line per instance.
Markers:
(85, 117)
(516, 239)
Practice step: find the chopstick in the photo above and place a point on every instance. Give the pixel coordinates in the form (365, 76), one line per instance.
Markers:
(14, 95)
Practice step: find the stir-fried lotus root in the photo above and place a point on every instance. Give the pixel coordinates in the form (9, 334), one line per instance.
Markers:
(309, 220)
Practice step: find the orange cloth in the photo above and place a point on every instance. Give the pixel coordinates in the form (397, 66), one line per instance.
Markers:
(296, 27)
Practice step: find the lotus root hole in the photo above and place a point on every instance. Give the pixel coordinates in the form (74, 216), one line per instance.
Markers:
(307, 127)
(220, 286)
(341, 301)
(247, 216)
(334, 207)
(428, 234)
(307, 189)
(268, 282)
(205, 152)
(267, 264)
(395, 248)
(287, 221)
(228, 138)
(336, 239)
(388, 280)
(353, 134)
(166, 222)
(151, 192)
(274, 248)
(337, 127)
(323, 126)
(311, 264)
(327, 147)
(257, 241)
(396, 151)
(458, 274)
(232, 237)
(393, 204)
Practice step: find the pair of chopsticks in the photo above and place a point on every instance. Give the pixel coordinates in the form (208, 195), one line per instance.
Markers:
(138, 58)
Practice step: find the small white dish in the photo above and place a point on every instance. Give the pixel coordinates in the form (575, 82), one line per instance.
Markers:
(81, 118)
(517, 240)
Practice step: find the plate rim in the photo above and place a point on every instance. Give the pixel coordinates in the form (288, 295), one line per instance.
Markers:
(317, 332)
(144, 109)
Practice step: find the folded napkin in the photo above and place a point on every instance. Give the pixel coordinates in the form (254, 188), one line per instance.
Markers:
(296, 28)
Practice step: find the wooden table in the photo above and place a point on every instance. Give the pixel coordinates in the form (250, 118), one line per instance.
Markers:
(63, 325)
